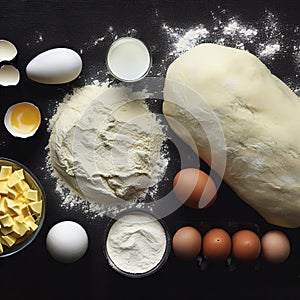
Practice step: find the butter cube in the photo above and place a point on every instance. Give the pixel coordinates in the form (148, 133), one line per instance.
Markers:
(6, 230)
(31, 195)
(29, 219)
(11, 203)
(3, 188)
(20, 187)
(12, 193)
(6, 220)
(3, 205)
(30, 222)
(20, 173)
(19, 228)
(19, 219)
(9, 239)
(15, 211)
(36, 206)
(2, 241)
(26, 186)
(33, 226)
(13, 179)
(11, 212)
(12, 207)
(5, 172)
(24, 211)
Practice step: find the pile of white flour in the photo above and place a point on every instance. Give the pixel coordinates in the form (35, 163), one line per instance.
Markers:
(105, 146)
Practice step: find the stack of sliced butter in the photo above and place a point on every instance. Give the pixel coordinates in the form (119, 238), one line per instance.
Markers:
(20, 207)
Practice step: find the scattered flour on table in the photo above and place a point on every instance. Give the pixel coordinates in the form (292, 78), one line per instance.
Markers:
(267, 39)
(110, 34)
(269, 50)
(184, 40)
(235, 28)
(232, 32)
(105, 149)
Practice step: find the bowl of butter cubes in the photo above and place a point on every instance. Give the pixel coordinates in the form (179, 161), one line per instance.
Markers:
(22, 207)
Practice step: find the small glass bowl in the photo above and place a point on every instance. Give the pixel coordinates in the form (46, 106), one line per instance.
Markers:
(34, 184)
(113, 66)
(164, 257)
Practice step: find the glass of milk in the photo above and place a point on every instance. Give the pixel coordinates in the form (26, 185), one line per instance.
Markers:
(128, 59)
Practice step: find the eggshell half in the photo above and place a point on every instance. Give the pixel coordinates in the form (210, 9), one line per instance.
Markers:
(8, 51)
(55, 66)
(9, 75)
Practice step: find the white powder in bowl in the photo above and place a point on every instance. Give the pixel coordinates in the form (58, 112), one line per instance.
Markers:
(136, 243)
(105, 146)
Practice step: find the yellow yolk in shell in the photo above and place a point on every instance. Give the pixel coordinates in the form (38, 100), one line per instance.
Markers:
(25, 117)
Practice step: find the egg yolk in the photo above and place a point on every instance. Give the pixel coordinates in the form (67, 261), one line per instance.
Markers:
(25, 117)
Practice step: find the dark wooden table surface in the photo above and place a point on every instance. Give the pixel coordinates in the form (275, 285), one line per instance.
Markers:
(35, 26)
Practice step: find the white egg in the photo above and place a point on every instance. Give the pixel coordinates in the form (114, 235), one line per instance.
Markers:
(67, 241)
(55, 66)
(9, 75)
(8, 51)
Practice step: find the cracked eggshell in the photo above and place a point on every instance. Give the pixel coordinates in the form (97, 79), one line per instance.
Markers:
(8, 51)
(22, 119)
(9, 75)
(55, 66)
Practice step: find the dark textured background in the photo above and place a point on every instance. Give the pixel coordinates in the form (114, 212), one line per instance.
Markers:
(33, 274)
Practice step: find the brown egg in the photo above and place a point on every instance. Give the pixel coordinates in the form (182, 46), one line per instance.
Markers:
(216, 244)
(275, 246)
(245, 245)
(194, 188)
(187, 243)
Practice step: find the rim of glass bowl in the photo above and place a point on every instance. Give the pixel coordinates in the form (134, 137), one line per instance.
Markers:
(113, 44)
